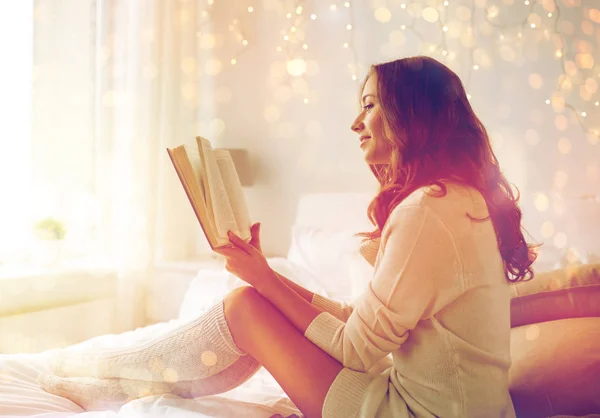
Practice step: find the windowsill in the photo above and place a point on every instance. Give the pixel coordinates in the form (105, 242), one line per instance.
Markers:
(29, 288)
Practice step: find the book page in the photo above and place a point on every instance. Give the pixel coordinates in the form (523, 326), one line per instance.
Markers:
(187, 163)
(237, 198)
(216, 196)
(193, 156)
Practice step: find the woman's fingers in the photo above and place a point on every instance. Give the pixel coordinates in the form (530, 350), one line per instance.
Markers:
(255, 241)
(227, 251)
(239, 243)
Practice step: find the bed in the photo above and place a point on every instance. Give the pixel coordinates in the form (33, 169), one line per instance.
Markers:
(323, 257)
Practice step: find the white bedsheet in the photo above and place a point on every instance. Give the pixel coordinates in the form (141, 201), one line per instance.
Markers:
(260, 397)
(20, 395)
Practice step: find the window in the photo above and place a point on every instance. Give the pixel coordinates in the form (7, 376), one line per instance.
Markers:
(16, 44)
(47, 155)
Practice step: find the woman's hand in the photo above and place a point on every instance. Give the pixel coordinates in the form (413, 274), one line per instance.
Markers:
(255, 233)
(246, 260)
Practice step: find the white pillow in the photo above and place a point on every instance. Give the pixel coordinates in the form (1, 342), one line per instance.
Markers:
(332, 256)
(207, 288)
(211, 285)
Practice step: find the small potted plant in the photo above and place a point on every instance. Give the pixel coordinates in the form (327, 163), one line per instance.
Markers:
(49, 233)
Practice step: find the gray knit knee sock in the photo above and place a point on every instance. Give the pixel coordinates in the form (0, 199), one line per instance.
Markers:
(196, 349)
(196, 359)
(94, 394)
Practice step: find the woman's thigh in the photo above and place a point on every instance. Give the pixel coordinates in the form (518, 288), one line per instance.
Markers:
(304, 371)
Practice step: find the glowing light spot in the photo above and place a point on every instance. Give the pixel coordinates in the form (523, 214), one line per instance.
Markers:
(208, 358)
(593, 137)
(507, 53)
(156, 364)
(216, 127)
(189, 91)
(170, 375)
(558, 104)
(536, 81)
(547, 229)
(561, 178)
(296, 67)
(564, 145)
(463, 13)
(560, 240)
(272, 113)
(213, 66)
(208, 41)
(430, 15)
(585, 61)
(482, 58)
(188, 65)
(383, 15)
(532, 333)
(541, 202)
(561, 122)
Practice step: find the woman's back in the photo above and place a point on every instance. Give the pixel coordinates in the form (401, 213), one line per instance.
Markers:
(455, 360)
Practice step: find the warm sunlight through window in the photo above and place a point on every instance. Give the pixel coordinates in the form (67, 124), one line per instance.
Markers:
(16, 46)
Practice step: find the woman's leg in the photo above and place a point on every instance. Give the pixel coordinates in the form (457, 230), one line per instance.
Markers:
(196, 359)
(304, 371)
(257, 328)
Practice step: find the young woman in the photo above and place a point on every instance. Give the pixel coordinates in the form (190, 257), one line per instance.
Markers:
(429, 336)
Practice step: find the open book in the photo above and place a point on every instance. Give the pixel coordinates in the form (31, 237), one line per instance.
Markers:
(213, 187)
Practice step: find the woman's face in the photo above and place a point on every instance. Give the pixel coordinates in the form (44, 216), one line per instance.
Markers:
(369, 126)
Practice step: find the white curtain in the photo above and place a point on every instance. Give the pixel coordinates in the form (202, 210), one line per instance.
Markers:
(116, 83)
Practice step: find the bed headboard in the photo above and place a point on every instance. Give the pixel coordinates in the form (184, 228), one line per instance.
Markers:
(341, 210)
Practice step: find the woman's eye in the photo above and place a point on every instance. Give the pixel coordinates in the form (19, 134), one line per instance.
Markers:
(367, 107)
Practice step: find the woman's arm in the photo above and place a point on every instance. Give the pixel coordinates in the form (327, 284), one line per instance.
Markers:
(340, 310)
(305, 293)
(295, 306)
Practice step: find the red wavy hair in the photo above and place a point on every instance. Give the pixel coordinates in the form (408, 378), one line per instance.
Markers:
(425, 105)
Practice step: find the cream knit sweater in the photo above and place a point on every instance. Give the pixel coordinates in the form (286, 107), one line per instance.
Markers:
(439, 303)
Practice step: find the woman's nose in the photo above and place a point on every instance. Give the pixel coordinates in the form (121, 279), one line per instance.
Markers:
(357, 125)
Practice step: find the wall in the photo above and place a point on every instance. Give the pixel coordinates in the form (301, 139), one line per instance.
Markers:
(302, 147)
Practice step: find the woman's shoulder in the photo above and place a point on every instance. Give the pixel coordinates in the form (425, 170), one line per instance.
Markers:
(455, 199)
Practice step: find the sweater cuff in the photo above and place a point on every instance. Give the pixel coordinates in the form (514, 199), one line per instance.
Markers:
(346, 394)
(331, 306)
(322, 329)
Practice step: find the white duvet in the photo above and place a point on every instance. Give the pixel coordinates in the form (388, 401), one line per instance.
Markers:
(20, 394)
(260, 397)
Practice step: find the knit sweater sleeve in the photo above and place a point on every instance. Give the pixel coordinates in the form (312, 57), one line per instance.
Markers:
(341, 310)
(419, 272)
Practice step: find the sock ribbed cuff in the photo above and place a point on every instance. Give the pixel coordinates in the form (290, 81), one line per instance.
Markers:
(220, 334)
